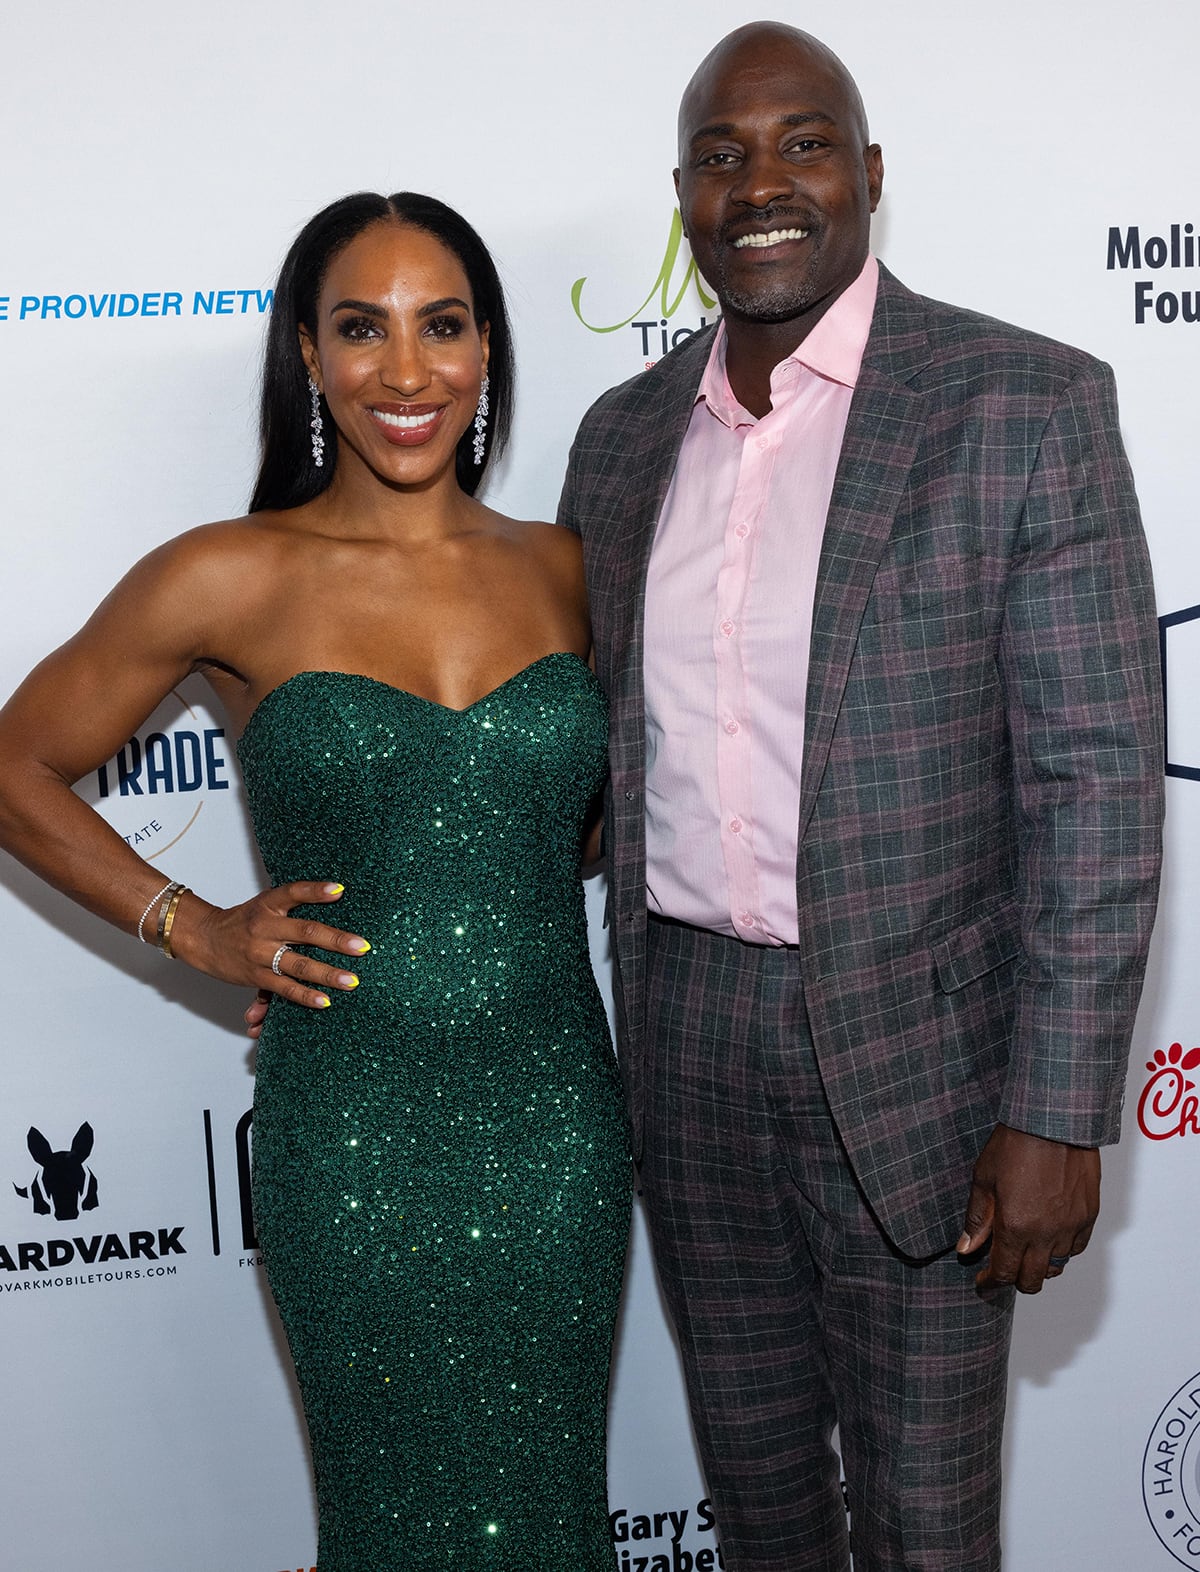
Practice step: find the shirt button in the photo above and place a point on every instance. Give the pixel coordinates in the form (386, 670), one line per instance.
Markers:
(727, 628)
(630, 795)
(762, 444)
(732, 728)
(742, 531)
(747, 919)
(736, 826)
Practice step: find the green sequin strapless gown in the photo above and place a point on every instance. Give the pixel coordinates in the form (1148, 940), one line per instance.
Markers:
(441, 1184)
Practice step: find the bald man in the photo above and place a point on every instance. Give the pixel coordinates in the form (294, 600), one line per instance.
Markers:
(872, 604)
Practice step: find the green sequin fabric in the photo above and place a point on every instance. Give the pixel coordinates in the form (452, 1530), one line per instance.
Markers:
(441, 1184)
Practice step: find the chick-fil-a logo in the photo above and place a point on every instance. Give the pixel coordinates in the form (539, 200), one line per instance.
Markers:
(1168, 1105)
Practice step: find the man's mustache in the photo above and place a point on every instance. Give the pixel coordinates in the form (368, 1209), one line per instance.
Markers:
(773, 217)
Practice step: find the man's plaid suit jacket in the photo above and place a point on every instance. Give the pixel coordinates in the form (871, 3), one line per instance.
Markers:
(981, 786)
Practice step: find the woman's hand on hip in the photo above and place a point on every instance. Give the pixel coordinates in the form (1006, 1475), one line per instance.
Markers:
(252, 944)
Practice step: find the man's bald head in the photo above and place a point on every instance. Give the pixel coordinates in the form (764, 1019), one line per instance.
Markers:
(746, 49)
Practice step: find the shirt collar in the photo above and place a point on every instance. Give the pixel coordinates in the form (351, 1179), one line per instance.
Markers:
(834, 349)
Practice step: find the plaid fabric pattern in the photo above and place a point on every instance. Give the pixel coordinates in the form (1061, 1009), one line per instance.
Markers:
(794, 1310)
(981, 787)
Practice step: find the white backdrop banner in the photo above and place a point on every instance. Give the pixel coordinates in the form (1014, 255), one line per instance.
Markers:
(157, 162)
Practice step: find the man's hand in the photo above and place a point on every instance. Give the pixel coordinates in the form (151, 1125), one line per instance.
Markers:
(255, 1015)
(1037, 1200)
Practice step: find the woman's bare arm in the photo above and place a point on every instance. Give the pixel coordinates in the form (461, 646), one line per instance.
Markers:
(78, 706)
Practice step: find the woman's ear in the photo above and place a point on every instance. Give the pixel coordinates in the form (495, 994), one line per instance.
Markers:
(308, 353)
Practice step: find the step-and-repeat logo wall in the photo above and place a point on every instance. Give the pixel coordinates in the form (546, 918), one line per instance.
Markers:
(127, 1239)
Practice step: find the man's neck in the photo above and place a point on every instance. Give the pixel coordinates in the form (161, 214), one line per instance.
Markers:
(754, 349)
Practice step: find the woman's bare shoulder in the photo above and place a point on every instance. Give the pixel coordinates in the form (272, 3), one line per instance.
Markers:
(228, 560)
(559, 548)
(224, 541)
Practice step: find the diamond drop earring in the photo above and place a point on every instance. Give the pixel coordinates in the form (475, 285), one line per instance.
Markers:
(481, 420)
(316, 424)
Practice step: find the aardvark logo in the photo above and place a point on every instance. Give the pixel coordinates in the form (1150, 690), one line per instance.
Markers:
(61, 1176)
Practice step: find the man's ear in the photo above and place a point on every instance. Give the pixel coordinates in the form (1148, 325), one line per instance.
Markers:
(873, 159)
(675, 176)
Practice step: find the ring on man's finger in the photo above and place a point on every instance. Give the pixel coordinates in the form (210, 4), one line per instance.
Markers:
(1059, 1260)
(277, 957)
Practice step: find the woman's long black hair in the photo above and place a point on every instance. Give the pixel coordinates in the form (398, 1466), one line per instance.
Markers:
(287, 475)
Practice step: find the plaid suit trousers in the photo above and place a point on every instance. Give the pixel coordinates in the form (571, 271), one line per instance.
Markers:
(794, 1312)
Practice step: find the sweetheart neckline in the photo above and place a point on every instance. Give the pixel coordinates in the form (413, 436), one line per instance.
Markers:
(419, 698)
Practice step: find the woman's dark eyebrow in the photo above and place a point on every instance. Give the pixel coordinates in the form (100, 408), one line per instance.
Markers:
(441, 305)
(380, 312)
(359, 305)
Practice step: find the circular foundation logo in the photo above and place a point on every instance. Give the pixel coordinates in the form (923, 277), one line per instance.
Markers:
(1171, 1475)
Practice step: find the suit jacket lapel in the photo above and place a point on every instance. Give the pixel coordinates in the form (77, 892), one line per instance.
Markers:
(883, 434)
(649, 461)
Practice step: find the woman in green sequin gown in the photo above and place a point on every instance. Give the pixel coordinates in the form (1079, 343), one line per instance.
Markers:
(441, 1183)
(438, 1181)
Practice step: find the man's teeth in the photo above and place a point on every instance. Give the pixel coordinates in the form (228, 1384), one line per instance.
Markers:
(771, 238)
(406, 422)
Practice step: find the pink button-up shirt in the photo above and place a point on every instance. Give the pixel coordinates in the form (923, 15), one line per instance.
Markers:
(729, 601)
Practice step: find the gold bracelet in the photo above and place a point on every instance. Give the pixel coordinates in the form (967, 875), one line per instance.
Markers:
(166, 898)
(169, 921)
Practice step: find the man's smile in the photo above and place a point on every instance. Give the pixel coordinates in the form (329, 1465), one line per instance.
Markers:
(771, 237)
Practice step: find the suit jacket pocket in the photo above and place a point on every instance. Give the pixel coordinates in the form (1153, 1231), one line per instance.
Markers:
(977, 948)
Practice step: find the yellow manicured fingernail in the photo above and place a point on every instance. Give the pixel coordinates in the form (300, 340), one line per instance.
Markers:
(334, 889)
(347, 980)
(323, 1002)
(359, 946)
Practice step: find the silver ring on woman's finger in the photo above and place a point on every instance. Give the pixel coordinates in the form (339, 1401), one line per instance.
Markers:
(277, 957)
(1059, 1260)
